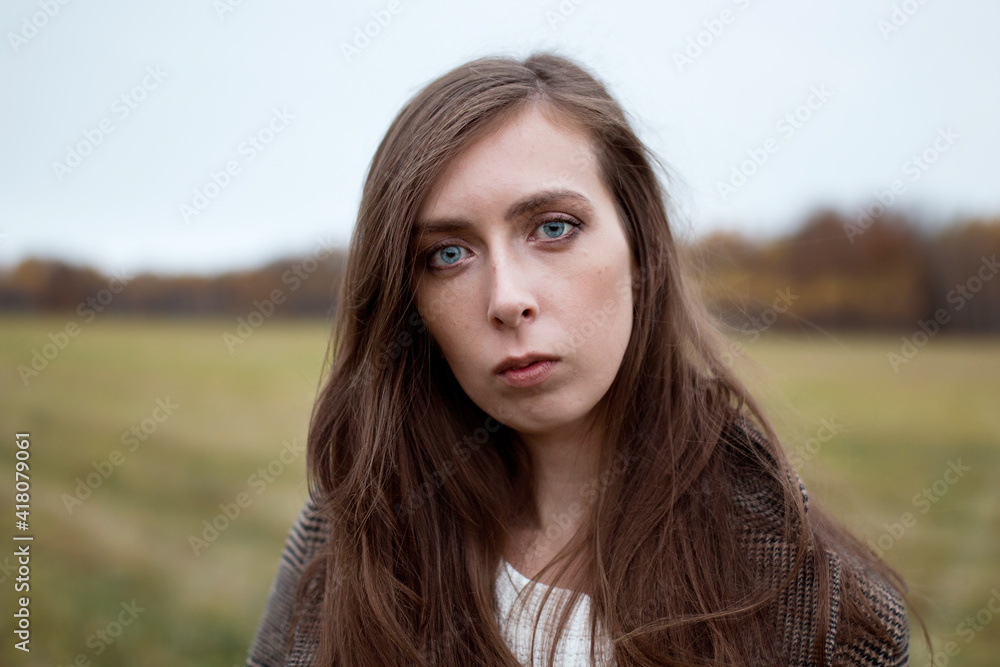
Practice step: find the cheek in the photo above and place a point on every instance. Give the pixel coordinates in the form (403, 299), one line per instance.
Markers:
(609, 308)
(606, 286)
(445, 317)
(436, 306)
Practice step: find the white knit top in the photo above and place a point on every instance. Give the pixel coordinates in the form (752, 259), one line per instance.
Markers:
(517, 618)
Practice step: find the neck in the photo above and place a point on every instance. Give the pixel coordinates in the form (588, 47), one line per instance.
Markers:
(566, 470)
(565, 474)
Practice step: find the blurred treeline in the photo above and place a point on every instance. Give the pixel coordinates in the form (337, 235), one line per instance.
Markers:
(889, 275)
(307, 287)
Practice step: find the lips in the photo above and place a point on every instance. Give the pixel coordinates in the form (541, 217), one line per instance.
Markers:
(531, 375)
(522, 361)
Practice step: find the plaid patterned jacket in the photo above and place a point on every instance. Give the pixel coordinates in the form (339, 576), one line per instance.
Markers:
(797, 611)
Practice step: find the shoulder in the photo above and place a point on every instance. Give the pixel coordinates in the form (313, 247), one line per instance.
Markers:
(306, 538)
(759, 492)
(307, 535)
(760, 497)
(881, 602)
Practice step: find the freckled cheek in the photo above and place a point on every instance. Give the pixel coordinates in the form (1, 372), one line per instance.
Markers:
(599, 289)
(609, 302)
(448, 321)
(437, 308)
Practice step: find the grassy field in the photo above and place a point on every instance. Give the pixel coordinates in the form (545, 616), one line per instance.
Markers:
(193, 423)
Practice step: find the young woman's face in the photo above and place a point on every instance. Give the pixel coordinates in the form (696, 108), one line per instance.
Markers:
(521, 253)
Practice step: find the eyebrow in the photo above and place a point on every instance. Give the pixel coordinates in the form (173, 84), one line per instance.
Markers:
(521, 207)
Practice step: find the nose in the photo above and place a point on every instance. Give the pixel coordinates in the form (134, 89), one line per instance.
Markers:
(512, 296)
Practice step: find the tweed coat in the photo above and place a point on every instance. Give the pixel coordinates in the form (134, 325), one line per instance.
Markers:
(796, 611)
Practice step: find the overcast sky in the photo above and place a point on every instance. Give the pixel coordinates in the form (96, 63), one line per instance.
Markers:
(116, 114)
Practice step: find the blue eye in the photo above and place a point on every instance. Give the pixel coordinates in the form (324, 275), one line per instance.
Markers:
(553, 228)
(448, 254)
(557, 228)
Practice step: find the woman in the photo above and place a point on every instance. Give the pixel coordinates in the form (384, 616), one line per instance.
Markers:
(527, 411)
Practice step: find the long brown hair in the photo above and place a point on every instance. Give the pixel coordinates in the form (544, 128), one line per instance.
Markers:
(421, 487)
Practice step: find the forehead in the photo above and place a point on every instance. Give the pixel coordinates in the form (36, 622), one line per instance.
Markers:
(528, 153)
